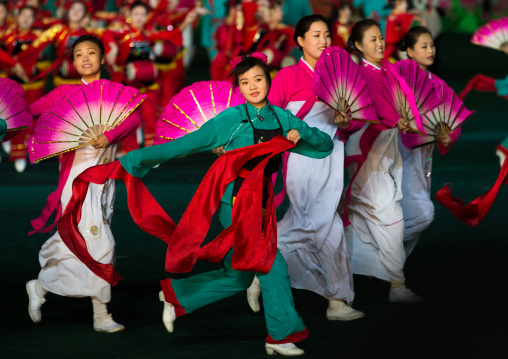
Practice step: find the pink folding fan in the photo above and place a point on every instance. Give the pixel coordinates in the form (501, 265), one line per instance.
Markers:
(77, 118)
(13, 108)
(494, 34)
(189, 109)
(444, 119)
(338, 83)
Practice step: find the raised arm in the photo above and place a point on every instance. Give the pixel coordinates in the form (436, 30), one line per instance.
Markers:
(121, 131)
(139, 162)
(45, 103)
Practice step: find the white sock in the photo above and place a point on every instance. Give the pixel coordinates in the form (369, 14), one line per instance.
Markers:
(41, 292)
(100, 309)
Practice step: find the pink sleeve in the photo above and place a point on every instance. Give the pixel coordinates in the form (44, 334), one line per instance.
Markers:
(45, 102)
(277, 95)
(454, 136)
(121, 131)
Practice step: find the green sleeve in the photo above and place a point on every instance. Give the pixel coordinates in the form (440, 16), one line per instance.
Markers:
(3, 128)
(139, 162)
(313, 143)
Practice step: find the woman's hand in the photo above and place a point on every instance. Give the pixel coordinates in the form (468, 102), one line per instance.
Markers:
(403, 125)
(342, 120)
(505, 49)
(19, 71)
(100, 142)
(219, 151)
(293, 136)
(112, 53)
(445, 140)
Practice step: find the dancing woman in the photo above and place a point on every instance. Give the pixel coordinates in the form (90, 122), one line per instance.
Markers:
(416, 204)
(311, 234)
(244, 125)
(376, 231)
(62, 272)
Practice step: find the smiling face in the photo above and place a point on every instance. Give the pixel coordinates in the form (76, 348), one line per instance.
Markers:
(77, 12)
(254, 86)
(88, 59)
(138, 16)
(372, 45)
(26, 19)
(423, 52)
(315, 41)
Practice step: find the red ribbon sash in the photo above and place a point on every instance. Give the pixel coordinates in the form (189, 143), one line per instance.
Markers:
(474, 212)
(253, 238)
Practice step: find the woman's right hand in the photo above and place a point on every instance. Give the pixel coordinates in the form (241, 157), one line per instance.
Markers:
(219, 151)
(112, 53)
(403, 125)
(19, 71)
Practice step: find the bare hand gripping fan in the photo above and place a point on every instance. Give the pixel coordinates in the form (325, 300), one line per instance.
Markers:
(442, 120)
(338, 83)
(13, 107)
(79, 117)
(189, 109)
(494, 34)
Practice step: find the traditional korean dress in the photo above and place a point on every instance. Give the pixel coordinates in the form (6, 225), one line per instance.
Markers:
(376, 231)
(62, 273)
(311, 234)
(416, 204)
(235, 128)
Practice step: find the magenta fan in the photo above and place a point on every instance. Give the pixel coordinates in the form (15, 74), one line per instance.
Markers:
(13, 108)
(338, 83)
(407, 89)
(189, 109)
(424, 91)
(444, 119)
(494, 34)
(79, 117)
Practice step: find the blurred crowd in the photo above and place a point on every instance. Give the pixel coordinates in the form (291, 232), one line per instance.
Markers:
(150, 44)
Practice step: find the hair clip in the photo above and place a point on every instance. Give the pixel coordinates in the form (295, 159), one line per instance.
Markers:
(257, 55)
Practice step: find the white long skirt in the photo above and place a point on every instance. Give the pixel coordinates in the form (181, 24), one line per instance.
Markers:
(416, 204)
(375, 236)
(62, 272)
(311, 234)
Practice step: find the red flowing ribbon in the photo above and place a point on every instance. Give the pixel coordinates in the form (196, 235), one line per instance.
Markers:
(474, 212)
(53, 201)
(479, 83)
(144, 209)
(253, 237)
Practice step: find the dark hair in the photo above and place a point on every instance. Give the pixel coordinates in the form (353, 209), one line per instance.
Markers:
(5, 5)
(248, 62)
(412, 36)
(229, 4)
(138, 3)
(358, 32)
(304, 25)
(85, 38)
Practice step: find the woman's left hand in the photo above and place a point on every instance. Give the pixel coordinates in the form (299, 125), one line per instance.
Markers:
(100, 142)
(342, 120)
(293, 136)
(445, 140)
